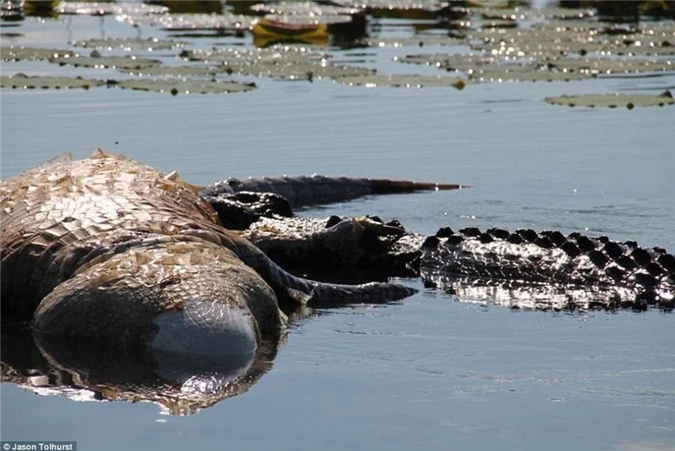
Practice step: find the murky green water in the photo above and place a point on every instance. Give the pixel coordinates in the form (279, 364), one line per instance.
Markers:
(428, 372)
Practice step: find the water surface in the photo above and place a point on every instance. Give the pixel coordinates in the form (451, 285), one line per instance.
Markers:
(428, 371)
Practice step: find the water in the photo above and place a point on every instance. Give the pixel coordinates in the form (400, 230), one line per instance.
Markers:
(428, 371)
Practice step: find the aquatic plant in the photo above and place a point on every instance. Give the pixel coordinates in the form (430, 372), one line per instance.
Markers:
(614, 100)
(21, 80)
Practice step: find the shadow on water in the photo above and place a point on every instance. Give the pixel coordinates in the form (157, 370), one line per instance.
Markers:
(86, 371)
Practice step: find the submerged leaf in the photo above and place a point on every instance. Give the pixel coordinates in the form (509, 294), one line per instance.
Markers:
(524, 72)
(33, 53)
(280, 61)
(413, 41)
(175, 87)
(176, 22)
(303, 9)
(598, 66)
(559, 39)
(97, 61)
(106, 8)
(175, 71)
(45, 82)
(129, 44)
(404, 81)
(446, 61)
(426, 5)
(629, 101)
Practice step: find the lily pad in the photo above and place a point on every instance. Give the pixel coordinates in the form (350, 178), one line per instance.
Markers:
(419, 41)
(107, 8)
(285, 62)
(616, 100)
(129, 44)
(425, 5)
(402, 81)
(304, 9)
(556, 39)
(188, 22)
(487, 68)
(98, 61)
(32, 53)
(304, 19)
(598, 66)
(18, 81)
(525, 72)
(546, 13)
(176, 87)
(175, 71)
(534, 43)
(449, 62)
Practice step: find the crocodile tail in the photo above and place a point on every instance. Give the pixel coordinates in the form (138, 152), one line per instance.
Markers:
(386, 186)
(319, 189)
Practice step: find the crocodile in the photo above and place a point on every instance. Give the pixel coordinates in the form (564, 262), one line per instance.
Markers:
(524, 268)
(109, 246)
(110, 249)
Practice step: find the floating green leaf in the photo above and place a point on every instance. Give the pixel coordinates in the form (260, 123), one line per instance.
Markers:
(107, 8)
(175, 71)
(176, 87)
(629, 101)
(525, 72)
(279, 61)
(559, 39)
(426, 5)
(446, 61)
(490, 68)
(32, 53)
(98, 61)
(313, 9)
(420, 41)
(304, 19)
(598, 66)
(402, 81)
(176, 22)
(547, 13)
(45, 82)
(129, 44)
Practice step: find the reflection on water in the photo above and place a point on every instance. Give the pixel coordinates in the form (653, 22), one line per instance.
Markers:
(86, 371)
(425, 371)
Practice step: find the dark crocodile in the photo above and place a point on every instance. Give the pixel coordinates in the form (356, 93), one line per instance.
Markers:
(67, 228)
(548, 269)
(240, 203)
(111, 249)
(521, 269)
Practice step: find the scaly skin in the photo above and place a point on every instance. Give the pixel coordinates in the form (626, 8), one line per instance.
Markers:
(102, 247)
(319, 189)
(522, 269)
(548, 269)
